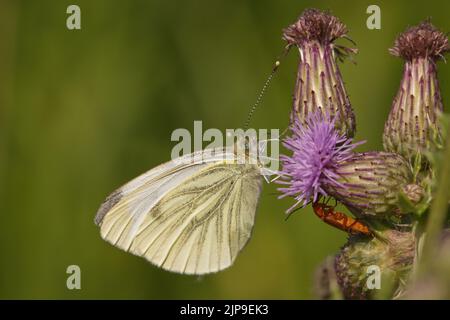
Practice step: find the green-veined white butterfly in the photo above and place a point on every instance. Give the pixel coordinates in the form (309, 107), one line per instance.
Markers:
(191, 215)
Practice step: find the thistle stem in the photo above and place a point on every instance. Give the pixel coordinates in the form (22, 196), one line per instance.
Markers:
(436, 218)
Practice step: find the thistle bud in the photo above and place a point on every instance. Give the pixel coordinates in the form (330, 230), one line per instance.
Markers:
(392, 256)
(413, 192)
(413, 121)
(319, 85)
(370, 183)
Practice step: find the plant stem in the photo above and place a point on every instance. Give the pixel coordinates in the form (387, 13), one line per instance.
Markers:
(438, 212)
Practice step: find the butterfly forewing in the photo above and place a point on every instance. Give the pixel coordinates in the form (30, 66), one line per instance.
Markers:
(193, 219)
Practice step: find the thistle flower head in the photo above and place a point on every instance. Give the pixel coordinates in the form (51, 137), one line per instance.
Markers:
(319, 84)
(314, 24)
(317, 148)
(421, 41)
(393, 253)
(413, 126)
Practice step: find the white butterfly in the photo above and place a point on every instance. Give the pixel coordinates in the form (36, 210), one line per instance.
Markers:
(191, 215)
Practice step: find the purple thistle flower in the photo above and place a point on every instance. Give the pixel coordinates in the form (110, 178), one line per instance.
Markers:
(323, 164)
(317, 149)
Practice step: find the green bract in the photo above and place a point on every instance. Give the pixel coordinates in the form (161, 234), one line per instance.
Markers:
(370, 183)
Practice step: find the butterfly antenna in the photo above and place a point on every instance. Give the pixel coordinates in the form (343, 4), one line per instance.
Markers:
(264, 88)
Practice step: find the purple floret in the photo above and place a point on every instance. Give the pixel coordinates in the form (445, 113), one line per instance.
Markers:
(317, 148)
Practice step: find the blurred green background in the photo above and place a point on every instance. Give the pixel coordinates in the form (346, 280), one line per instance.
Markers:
(82, 112)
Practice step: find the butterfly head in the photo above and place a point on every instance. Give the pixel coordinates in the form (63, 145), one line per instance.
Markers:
(245, 147)
(248, 150)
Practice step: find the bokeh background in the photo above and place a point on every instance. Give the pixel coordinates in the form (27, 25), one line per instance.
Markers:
(82, 112)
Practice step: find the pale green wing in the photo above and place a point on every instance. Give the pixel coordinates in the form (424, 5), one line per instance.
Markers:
(192, 219)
